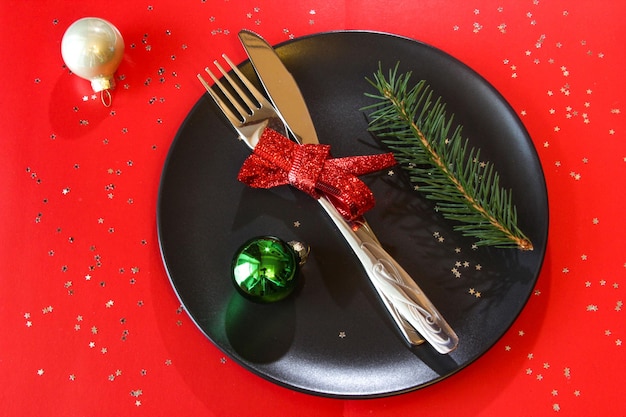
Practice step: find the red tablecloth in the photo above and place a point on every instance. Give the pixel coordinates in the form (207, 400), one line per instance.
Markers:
(90, 324)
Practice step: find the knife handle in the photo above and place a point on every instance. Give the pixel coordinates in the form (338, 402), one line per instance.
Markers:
(400, 294)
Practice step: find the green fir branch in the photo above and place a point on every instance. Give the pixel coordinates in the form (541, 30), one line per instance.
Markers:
(424, 140)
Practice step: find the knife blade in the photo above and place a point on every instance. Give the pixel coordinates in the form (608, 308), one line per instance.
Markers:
(407, 304)
(285, 93)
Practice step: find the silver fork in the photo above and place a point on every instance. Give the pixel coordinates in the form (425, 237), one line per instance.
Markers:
(249, 121)
(250, 118)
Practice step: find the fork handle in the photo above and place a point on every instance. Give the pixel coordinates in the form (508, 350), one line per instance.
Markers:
(400, 294)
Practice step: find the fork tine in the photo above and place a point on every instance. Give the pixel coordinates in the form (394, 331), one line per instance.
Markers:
(234, 119)
(236, 85)
(233, 101)
(260, 98)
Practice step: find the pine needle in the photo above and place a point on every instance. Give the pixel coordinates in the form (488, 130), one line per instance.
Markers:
(414, 125)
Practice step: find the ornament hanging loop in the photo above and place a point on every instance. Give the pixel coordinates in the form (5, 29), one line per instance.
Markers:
(104, 85)
(105, 98)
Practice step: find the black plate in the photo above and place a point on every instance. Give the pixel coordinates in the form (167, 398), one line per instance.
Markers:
(334, 338)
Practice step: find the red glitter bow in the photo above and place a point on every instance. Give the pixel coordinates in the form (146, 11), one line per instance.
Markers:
(276, 160)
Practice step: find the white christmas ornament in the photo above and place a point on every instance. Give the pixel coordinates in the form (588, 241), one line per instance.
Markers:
(93, 48)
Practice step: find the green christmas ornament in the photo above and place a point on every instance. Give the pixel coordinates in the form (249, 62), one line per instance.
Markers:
(265, 268)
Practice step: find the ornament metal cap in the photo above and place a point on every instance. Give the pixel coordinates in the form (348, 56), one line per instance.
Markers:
(301, 249)
(102, 83)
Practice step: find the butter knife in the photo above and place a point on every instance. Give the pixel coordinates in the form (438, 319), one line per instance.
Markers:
(407, 304)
